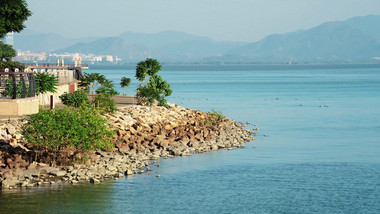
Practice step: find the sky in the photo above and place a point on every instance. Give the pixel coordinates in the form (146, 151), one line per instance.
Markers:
(233, 20)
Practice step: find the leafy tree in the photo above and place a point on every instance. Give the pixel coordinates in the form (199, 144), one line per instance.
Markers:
(92, 81)
(107, 88)
(45, 83)
(156, 89)
(124, 83)
(104, 89)
(11, 65)
(13, 13)
(148, 67)
(6, 52)
(98, 83)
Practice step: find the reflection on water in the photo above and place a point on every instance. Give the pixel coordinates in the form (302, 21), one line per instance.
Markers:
(86, 198)
(217, 188)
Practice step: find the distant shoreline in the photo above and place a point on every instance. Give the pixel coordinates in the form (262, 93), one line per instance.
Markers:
(173, 66)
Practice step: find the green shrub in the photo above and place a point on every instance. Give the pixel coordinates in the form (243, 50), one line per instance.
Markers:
(75, 99)
(104, 103)
(81, 129)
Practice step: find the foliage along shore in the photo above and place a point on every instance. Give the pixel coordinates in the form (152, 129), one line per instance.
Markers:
(142, 135)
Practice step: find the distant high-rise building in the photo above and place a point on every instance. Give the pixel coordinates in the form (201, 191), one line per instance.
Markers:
(9, 39)
(109, 58)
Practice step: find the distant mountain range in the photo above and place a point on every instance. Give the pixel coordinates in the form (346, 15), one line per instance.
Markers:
(166, 46)
(29, 40)
(353, 40)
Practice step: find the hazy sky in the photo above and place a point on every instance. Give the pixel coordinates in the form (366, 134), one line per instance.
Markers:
(237, 20)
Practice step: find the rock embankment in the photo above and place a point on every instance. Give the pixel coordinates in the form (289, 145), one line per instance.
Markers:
(143, 135)
(176, 131)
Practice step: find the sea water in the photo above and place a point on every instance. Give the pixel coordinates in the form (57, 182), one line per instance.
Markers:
(317, 147)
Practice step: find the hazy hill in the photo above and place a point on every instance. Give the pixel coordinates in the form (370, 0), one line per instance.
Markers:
(167, 46)
(109, 46)
(29, 40)
(356, 39)
(158, 40)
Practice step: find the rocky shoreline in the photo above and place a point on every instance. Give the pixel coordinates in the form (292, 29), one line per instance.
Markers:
(143, 135)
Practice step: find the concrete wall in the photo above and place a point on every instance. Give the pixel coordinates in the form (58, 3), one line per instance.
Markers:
(65, 79)
(64, 76)
(44, 99)
(18, 107)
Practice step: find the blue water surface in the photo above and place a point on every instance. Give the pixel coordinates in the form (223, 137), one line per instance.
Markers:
(320, 152)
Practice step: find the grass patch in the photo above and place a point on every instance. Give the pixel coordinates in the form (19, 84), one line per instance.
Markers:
(214, 117)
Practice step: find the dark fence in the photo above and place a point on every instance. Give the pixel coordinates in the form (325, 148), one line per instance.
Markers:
(17, 84)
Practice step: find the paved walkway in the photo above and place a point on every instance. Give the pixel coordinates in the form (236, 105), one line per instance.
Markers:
(124, 100)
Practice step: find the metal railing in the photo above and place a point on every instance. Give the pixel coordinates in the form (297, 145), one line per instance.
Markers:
(17, 84)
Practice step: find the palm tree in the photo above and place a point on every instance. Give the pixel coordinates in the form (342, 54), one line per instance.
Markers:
(124, 83)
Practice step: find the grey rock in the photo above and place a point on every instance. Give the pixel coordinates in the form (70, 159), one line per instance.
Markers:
(25, 183)
(60, 173)
(81, 173)
(69, 168)
(214, 147)
(3, 133)
(31, 173)
(111, 168)
(10, 182)
(18, 136)
(11, 129)
(31, 185)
